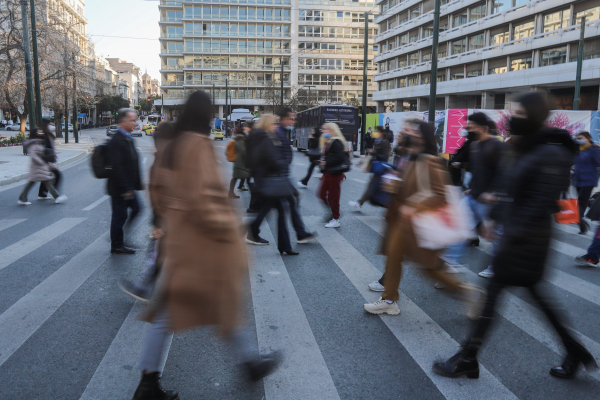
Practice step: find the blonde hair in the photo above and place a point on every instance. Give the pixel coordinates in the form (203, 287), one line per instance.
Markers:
(265, 123)
(335, 133)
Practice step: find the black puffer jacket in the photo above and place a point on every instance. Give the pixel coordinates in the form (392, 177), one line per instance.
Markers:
(534, 183)
(334, 154)
(263, 157)
(123, 157)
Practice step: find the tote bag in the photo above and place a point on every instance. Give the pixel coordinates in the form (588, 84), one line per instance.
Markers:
(437, 229)
(569, 211)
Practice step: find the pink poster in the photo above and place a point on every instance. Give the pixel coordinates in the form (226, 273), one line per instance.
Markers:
(456, 120)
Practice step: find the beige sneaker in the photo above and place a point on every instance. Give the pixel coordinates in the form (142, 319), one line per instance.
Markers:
(382, 307)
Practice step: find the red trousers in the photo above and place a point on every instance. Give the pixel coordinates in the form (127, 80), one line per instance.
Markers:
(331, 187)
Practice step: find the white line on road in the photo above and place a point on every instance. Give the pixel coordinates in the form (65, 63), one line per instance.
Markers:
(97, 202)
(300, 164)
(111, 380)
(25, 246)
(7, 223)
(26, 316)
(282, 324)
(358, 180)
(144, 161)
(422, 337)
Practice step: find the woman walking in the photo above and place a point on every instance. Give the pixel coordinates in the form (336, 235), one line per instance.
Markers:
(205, 262)
(239, 165)
(312, 154)
(48, 137)
(585, 174)
(538, 175)
(39, 169)
(400, 242)
(333, 145)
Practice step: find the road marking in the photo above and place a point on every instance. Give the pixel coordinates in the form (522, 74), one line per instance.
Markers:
(423, 344)
(144, 161)
(97, 202)
(25, 246)
(7, 223)
(282, 324)
(520, 313)
(358, 180)
(300, 164)
(111, 379)
(574, 229)
(26, 316)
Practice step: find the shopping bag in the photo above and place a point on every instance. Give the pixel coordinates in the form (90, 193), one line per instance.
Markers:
(440, 228)
(569, 211)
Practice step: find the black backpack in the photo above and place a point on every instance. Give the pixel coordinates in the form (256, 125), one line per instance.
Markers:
(100, 163)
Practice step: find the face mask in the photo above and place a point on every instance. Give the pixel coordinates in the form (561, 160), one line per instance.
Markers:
(463, 133)
(51, 128)
(522, 126)
(580, 142)
(289, 128)
(327, 135)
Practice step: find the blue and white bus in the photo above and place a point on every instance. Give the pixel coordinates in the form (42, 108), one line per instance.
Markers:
(346, 117)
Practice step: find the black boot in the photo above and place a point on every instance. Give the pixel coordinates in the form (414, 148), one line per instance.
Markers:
(150, 389)
(576, 355)
(462, 363)
(263, 366)
(583, 227)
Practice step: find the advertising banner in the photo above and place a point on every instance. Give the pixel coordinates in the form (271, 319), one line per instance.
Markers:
(456, 120)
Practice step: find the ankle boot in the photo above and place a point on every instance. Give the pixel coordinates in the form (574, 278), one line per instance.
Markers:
(576, 355)
(150, 389)
(462, 363)
(262, 366)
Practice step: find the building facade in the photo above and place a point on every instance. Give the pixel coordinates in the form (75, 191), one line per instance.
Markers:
(150, 87)
(250, 46)
(130, 80)
(489, 51)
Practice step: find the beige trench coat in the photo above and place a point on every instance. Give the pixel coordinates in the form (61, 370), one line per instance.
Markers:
(205, 259)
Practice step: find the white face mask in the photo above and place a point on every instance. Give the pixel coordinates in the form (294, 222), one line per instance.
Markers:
(51, 128)
(463, 133)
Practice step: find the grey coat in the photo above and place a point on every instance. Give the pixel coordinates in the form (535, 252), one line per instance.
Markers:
(39, 169)
(239, 165)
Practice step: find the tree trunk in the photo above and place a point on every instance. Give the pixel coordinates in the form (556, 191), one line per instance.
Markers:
(23, 122)
(58, 124)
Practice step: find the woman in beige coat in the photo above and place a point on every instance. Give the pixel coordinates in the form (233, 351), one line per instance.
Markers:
(205, 260)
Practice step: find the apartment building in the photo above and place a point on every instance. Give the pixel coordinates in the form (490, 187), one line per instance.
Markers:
(245, 43)
(130, 80)
(489, 51)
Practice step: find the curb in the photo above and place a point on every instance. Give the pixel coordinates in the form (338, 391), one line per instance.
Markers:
(71, 160)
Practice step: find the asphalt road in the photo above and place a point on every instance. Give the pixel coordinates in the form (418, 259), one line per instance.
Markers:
(68, 332)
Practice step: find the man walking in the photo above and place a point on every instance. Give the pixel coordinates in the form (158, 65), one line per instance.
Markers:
(123, 181)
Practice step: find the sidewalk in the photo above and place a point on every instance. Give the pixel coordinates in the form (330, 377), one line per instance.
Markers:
(14, 166)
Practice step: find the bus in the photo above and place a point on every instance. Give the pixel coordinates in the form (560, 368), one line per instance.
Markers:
(153, 119)
(345, 116)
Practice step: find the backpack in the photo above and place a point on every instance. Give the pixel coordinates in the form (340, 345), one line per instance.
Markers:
(100, 164)
(230, 151)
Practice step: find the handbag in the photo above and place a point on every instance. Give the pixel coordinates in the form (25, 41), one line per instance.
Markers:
(341, 168)
(437, 229)
(313, 154)
(569, 210)
(275, 187)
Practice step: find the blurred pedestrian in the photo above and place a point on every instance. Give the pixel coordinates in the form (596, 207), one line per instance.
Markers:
(400, 241)
(313, 155)
(459, 161)
(537, 177)
(39, 169)
(380, 152)
(369, 139)
(255, 201)
(333, 147)
(47, 135)
(124, 180)
(240, 170)
(585, 174)
(205, 261)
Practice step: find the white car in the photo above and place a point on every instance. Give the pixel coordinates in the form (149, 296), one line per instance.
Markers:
(70, 127)
(137, 132)
(15, 127)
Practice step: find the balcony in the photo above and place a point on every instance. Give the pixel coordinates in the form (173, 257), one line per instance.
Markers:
(237, 18)
(172, 83)
(171, 51)
(170, 19)
(229, 34)
(228, 67)
(171, 35)
(275, 2)
(240, 51)
(221, 82)
(171, 67)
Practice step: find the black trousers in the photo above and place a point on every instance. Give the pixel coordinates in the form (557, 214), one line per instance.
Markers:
(311, 167)
(583, 198)
(256, 201)
(120, 207)
(43, 192)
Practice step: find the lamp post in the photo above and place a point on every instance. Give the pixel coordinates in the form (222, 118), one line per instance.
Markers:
(434, 61)
(308, 86)
(36, 65)
(28, 74)
(576, 96)
(363, 127)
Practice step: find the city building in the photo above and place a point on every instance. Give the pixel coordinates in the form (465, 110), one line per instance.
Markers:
(150, 87)
(489, 51)
(316, 47)
(130, 80)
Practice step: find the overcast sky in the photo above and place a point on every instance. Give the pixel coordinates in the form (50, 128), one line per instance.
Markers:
(126, 18)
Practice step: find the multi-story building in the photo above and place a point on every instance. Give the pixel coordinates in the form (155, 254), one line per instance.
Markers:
(251, 45)
(130, 80)
(489, 51)
(149, 86)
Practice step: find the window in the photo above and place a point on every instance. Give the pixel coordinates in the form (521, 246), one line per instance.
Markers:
(404, 39)
(428, 31)
(412, 80)
(474, 70)
(557, 20)
(477, 42)
(459, 19)
(477, 12)
(415, 12)
(554, 56)
(586, 8)
(413, 58)
(400, 82)
(413, 36)
(523, 30)
(520, 62)
(457, 73)
(501, 5)
(459, 46)
(497, 66)
(499, 37)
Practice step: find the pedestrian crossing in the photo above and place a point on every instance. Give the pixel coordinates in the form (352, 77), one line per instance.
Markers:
(281, 320)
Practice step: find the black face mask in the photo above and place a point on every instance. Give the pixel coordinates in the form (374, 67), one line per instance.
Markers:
(407, 141)
(471, 135)
(522, 126)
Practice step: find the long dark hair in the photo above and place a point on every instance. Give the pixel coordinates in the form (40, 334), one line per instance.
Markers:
(536, 106)
(428, 135)
(196, 115)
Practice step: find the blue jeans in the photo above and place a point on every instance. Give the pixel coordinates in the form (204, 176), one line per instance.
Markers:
(120, 206)
(594, 249)
(283, 237)
(479, 212)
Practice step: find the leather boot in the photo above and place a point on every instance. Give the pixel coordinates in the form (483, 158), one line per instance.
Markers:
(462, 363)
(150, 389)
(262, 366)
(576, 355)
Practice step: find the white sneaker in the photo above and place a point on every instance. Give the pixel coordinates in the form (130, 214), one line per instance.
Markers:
(355, 205)
(24, 203)
(48, 197)
(487, 273)
(334, 223)
(60, 199)
(382, 307)
(301, 185)
(376, 287)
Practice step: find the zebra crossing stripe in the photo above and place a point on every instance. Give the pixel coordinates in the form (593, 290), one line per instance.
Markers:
(424, 345)
(7, 223)
(282, 325)
(32, 242)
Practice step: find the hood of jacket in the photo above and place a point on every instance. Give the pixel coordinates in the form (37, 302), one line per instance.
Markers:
(547, 135)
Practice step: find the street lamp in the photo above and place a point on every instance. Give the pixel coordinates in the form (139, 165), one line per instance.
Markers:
(308, 86)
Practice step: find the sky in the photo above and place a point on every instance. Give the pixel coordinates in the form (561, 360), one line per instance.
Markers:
(126, 18)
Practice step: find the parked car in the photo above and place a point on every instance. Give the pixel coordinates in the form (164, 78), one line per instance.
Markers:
(136, 131)
(111, 130)
(217, 134)
(70, 127)
(15, 127)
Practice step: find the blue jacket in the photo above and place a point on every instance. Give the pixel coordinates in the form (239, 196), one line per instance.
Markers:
(586, 164)
(285, 150)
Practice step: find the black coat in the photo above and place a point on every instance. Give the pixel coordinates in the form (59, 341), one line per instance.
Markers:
(334, 155)
(264, 158)
(533, 185)
(382, 149)
(123, 157)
